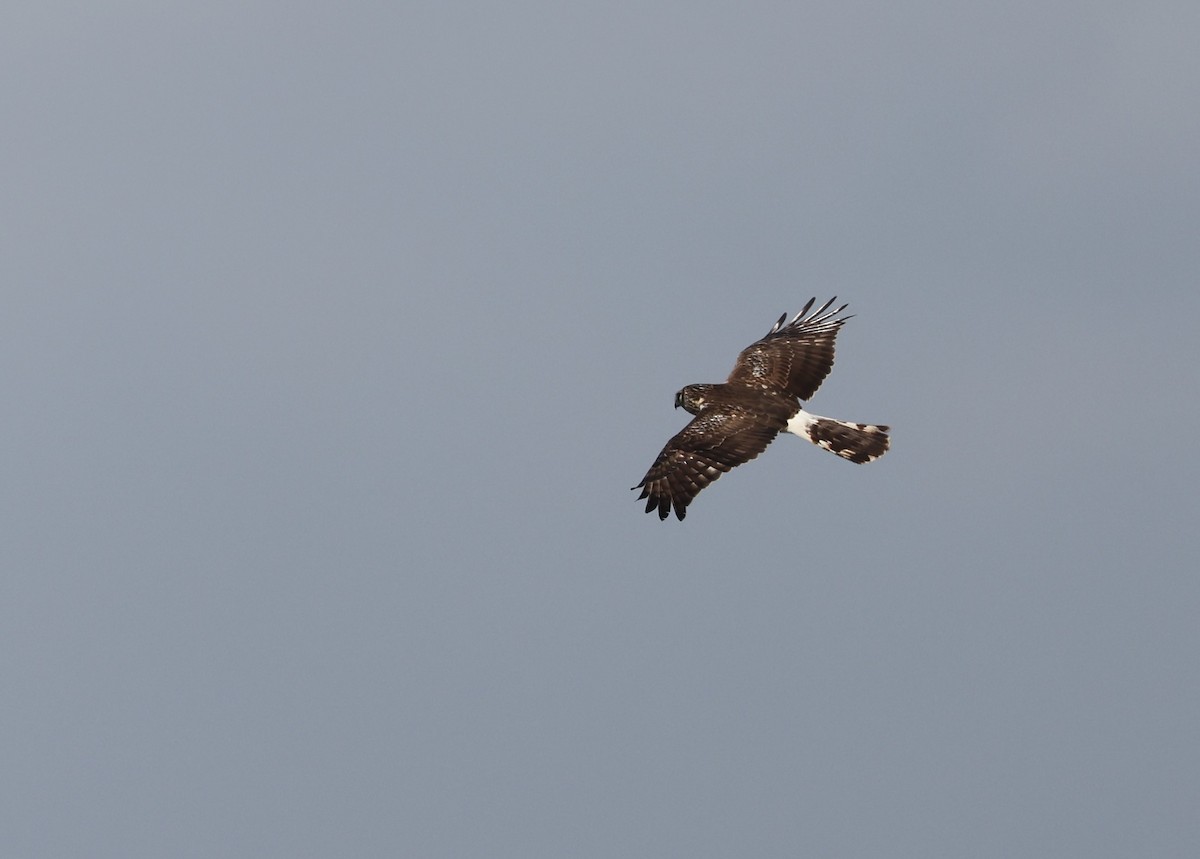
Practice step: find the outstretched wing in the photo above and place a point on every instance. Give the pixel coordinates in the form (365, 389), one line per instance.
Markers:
(794, 358)
(717, 439)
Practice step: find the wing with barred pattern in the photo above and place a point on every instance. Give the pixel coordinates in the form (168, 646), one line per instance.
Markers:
(715, 441)
(794, 357)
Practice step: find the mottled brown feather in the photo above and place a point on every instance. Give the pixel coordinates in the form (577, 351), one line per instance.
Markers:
(794, 358)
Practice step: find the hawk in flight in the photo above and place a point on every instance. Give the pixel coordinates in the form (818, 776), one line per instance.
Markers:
(735, 421)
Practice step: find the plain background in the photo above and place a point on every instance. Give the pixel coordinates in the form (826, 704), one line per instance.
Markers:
(334, 335)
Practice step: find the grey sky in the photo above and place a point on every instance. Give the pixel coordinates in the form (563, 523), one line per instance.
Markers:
(335, 335)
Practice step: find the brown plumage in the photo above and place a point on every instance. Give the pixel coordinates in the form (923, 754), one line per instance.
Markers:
(735, 421)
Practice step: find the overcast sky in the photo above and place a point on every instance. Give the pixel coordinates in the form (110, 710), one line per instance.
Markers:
(334, 336)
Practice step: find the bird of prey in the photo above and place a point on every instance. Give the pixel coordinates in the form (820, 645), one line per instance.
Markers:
(736, 420)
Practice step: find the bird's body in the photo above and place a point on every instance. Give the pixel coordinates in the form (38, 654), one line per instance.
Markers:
(736, 420)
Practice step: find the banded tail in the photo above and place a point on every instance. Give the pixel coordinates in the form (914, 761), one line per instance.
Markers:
(855, 442)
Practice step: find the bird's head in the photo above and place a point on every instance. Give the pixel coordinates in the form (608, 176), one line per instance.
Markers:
(692, 398)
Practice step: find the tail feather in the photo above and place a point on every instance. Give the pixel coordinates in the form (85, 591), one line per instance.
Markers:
(855, 442)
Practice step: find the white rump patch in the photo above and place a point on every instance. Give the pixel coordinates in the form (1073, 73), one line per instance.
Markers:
(800, 423)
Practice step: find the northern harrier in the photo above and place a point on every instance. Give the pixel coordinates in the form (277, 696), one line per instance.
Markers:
(735, 421)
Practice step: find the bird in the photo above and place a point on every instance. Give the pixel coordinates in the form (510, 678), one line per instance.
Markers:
(734, 421)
